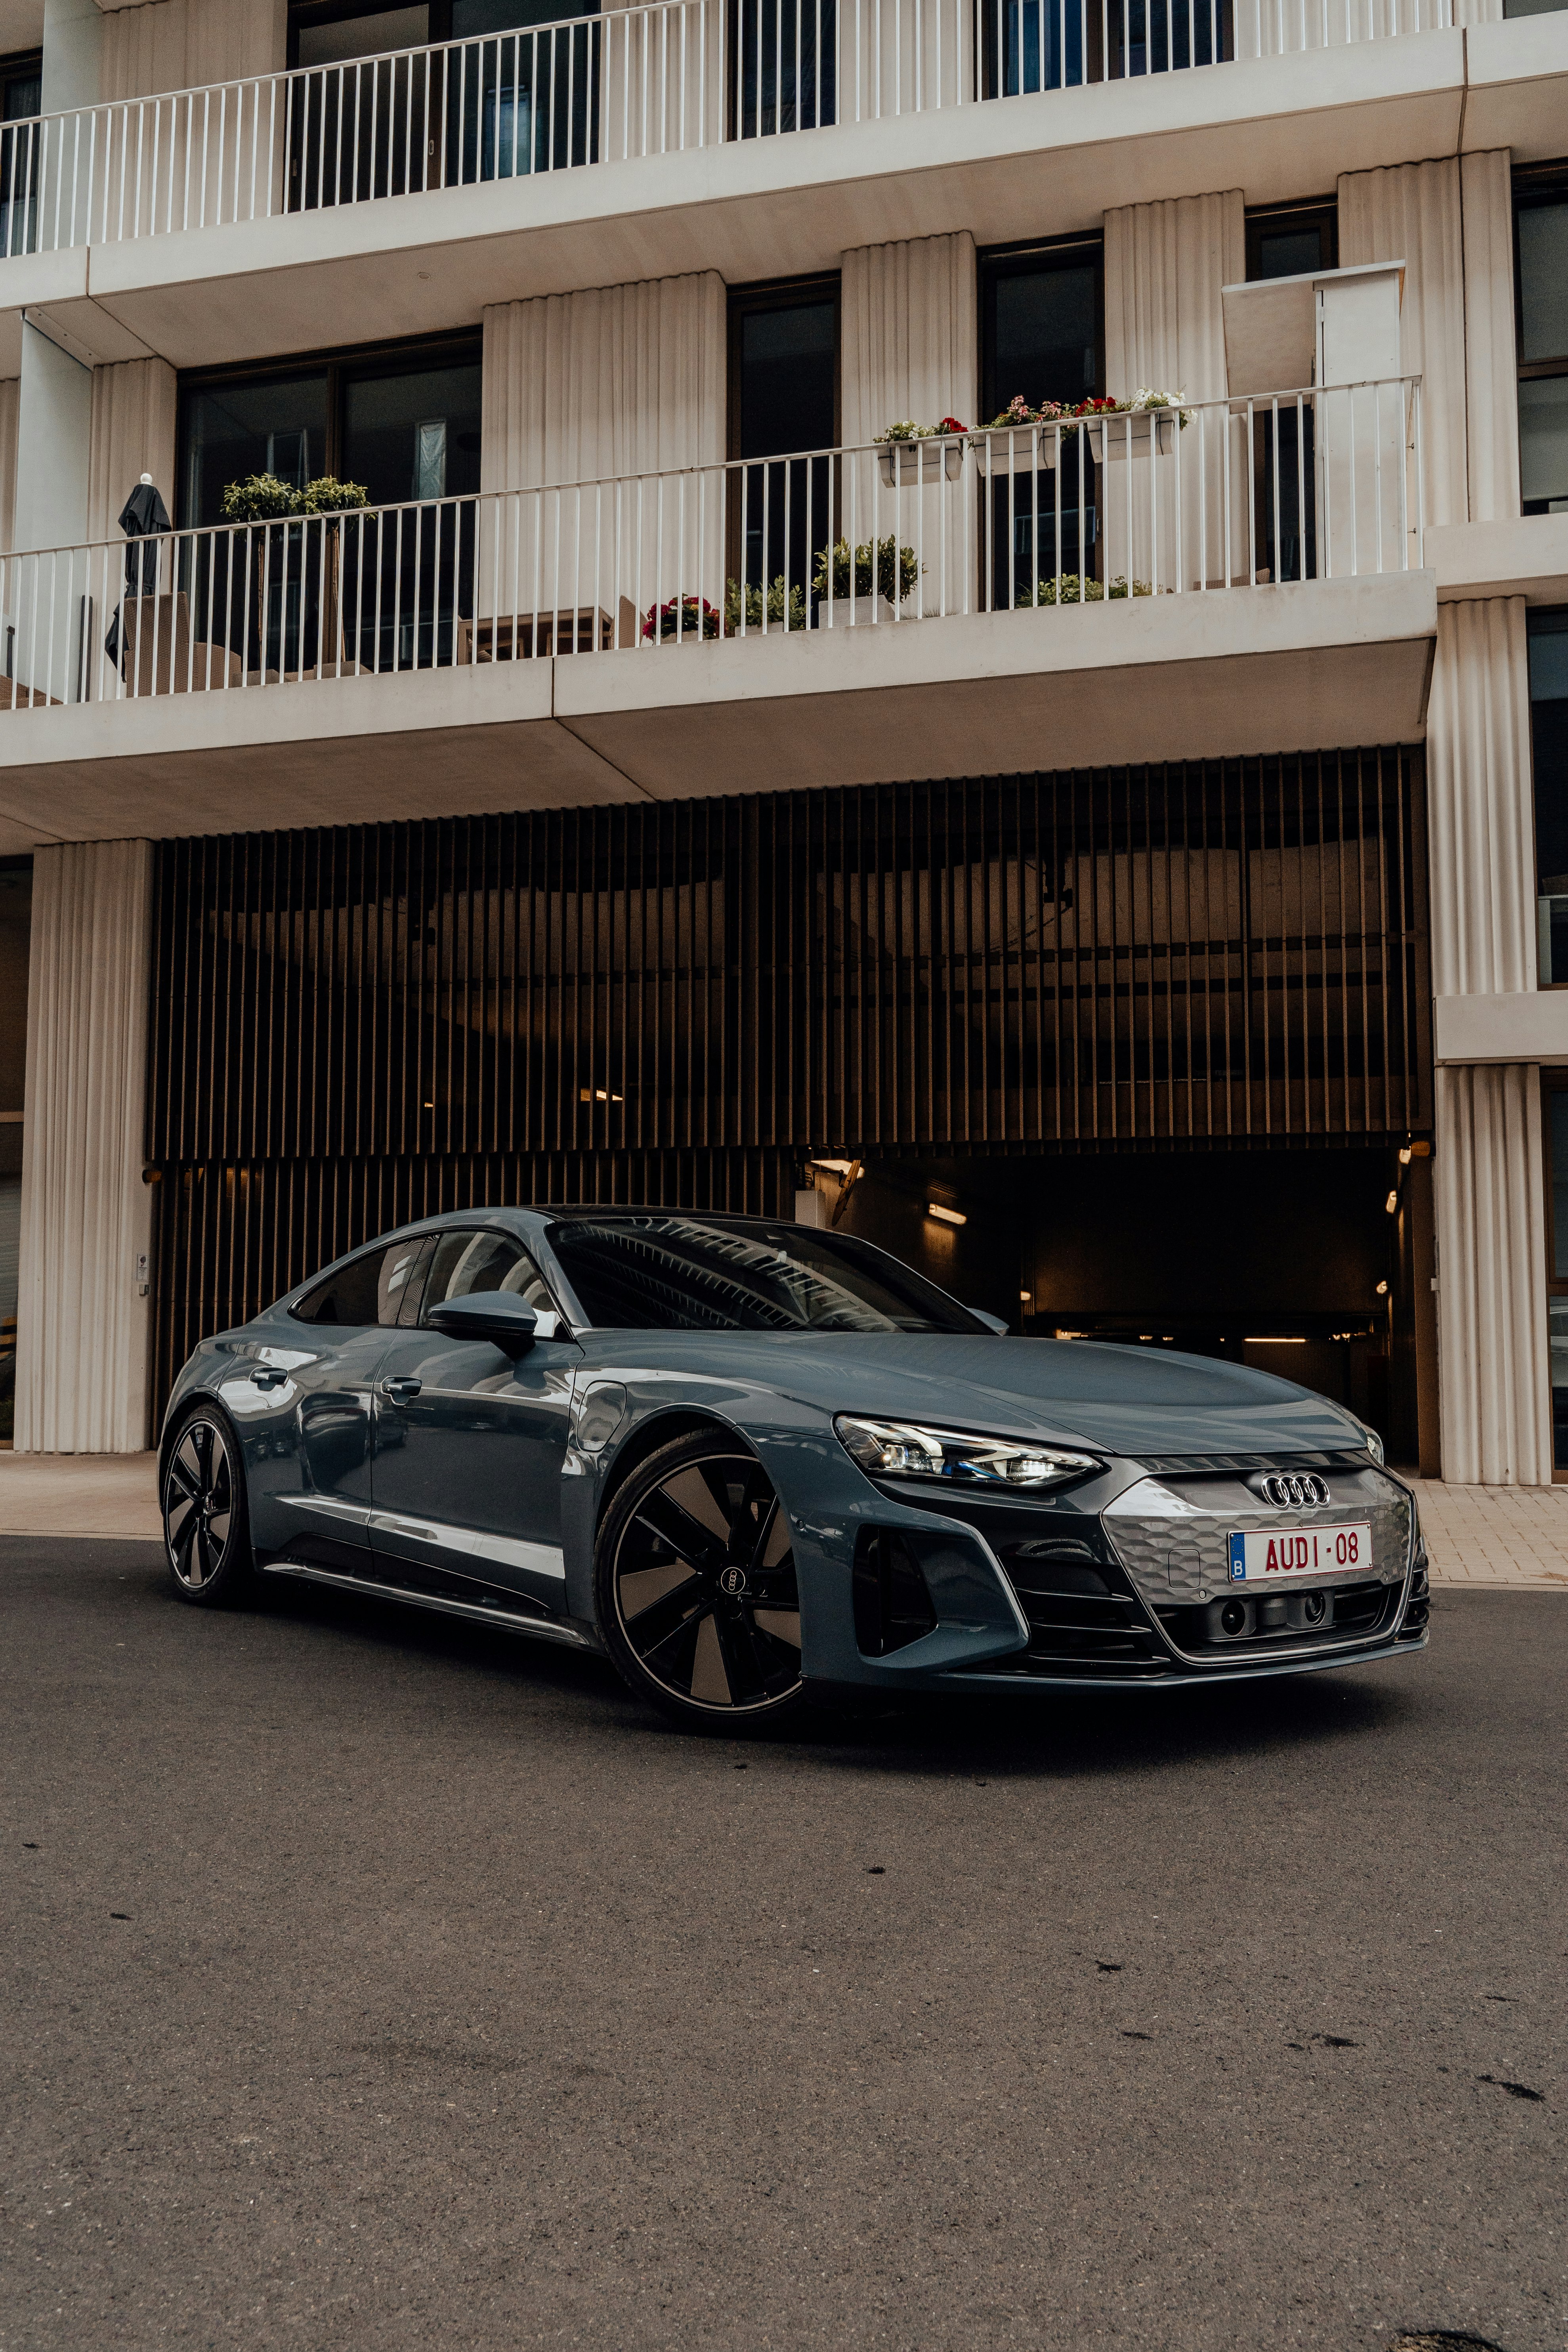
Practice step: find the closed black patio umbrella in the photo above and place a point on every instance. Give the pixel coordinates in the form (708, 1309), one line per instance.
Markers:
(143, 517)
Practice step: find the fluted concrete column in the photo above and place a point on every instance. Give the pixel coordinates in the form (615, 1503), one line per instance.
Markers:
(83, 1322)
(1491, 1206)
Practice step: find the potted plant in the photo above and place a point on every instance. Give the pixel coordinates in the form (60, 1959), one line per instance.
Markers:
(908, 452)
(681, 617)
(1078, 588)
(278, 513)
(1030, 438)
(746, 607)
(883, 569)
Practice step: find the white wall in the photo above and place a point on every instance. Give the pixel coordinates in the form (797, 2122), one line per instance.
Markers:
(83, 1332)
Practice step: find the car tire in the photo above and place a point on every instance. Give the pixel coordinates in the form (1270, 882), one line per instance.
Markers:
(695, 1586)
(207, 1523)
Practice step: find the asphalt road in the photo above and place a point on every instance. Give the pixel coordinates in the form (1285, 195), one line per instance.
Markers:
(373, 1983)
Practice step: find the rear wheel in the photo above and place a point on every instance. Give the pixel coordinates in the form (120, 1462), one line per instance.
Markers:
(207, 1528)
(696, 1587)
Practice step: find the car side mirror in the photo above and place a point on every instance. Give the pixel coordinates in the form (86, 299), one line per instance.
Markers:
(497, 1316)
(992, 1322)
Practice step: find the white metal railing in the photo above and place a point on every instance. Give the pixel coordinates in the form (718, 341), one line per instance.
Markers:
(604, 88)
(1287, 489)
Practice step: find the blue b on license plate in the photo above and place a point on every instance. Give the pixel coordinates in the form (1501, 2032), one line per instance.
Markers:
(1295, 1555)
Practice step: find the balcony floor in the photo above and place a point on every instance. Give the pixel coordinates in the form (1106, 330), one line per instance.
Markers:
(1319, 667)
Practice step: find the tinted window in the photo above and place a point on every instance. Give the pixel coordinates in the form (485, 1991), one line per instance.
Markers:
(1043, 335)
(1549, 728)
(376, 1288)
(468, 1261)
(685, 1274)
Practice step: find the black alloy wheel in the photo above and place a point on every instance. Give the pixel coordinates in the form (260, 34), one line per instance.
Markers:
(696, 1587)
(206, 1530)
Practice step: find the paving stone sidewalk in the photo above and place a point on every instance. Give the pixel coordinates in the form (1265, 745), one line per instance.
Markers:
(1476, 1535)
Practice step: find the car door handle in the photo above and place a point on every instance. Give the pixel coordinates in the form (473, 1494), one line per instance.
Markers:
(402, 1391)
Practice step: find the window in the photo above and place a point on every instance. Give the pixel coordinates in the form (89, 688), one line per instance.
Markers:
(21, 99)
(1289, 241)
(465, 1262)
(381, 1286)
(1293, 240)
(1541, 224)
(671, 1272)
(1548, 641)
(783, 397)
(784, 55)
(1554, 1138)
(387, 123)
(402, 423)
(1041, 338)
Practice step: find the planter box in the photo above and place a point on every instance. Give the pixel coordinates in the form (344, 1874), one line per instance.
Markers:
(870, 612)
(907, 462)
(1132, 433)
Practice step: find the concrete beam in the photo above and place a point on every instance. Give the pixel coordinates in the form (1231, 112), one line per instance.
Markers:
(1501, 1029)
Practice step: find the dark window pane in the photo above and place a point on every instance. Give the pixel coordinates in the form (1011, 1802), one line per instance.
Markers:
(1045, 336)
(788, 379)
(236, 430)
(682, 1273)
(368, 1289)
(1557, 1111)
(414, 436)
(468, 1261)
(371, 34)
(1549, 729)
(1289, 253)
(24, 96)
(1544, 442)
(1543, 282)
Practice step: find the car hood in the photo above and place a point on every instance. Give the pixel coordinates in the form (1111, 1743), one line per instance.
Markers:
(1126, 1400)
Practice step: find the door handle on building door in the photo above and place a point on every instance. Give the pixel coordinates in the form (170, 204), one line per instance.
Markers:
(402, 1391)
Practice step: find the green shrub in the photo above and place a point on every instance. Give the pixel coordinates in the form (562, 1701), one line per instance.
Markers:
(896, 569)
(327, 496)
(262, 497)
(785, 608)
(1073, 588)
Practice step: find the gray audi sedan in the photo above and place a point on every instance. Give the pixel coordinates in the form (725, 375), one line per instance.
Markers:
(759, 1463)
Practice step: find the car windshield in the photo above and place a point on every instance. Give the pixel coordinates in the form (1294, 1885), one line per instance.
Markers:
(696, 1274)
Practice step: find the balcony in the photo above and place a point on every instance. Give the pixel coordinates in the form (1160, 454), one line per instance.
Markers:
(749, 136)
(1228, 578)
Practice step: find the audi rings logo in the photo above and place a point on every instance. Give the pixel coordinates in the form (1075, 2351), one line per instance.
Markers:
(1294, 1490)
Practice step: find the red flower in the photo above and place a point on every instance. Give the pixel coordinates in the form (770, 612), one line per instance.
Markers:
(952, 425)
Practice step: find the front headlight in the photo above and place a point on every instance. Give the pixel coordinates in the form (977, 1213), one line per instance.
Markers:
(900, 1449)
(1374, 1445)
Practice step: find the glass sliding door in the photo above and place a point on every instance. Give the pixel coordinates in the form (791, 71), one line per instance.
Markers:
(1541, 224)
(784, 398)
(522, 94)
(1040, 319)
(406, 579)
(363, 120)
(784, 66)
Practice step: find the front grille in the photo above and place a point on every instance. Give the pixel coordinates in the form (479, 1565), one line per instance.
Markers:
(1350, 1613)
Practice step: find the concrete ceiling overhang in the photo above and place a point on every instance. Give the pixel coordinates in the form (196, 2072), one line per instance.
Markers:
(1032, 165)
(1324, 666)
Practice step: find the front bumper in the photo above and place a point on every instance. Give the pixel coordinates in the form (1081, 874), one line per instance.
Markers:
(1136, 1592)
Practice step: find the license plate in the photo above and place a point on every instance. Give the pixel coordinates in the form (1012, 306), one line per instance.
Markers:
(1295, 1555)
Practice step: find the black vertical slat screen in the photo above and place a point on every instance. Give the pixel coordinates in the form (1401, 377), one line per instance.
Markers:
(675, 1003)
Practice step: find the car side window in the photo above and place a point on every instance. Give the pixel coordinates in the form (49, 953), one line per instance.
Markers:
(379, 1286)
(466, 1261)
